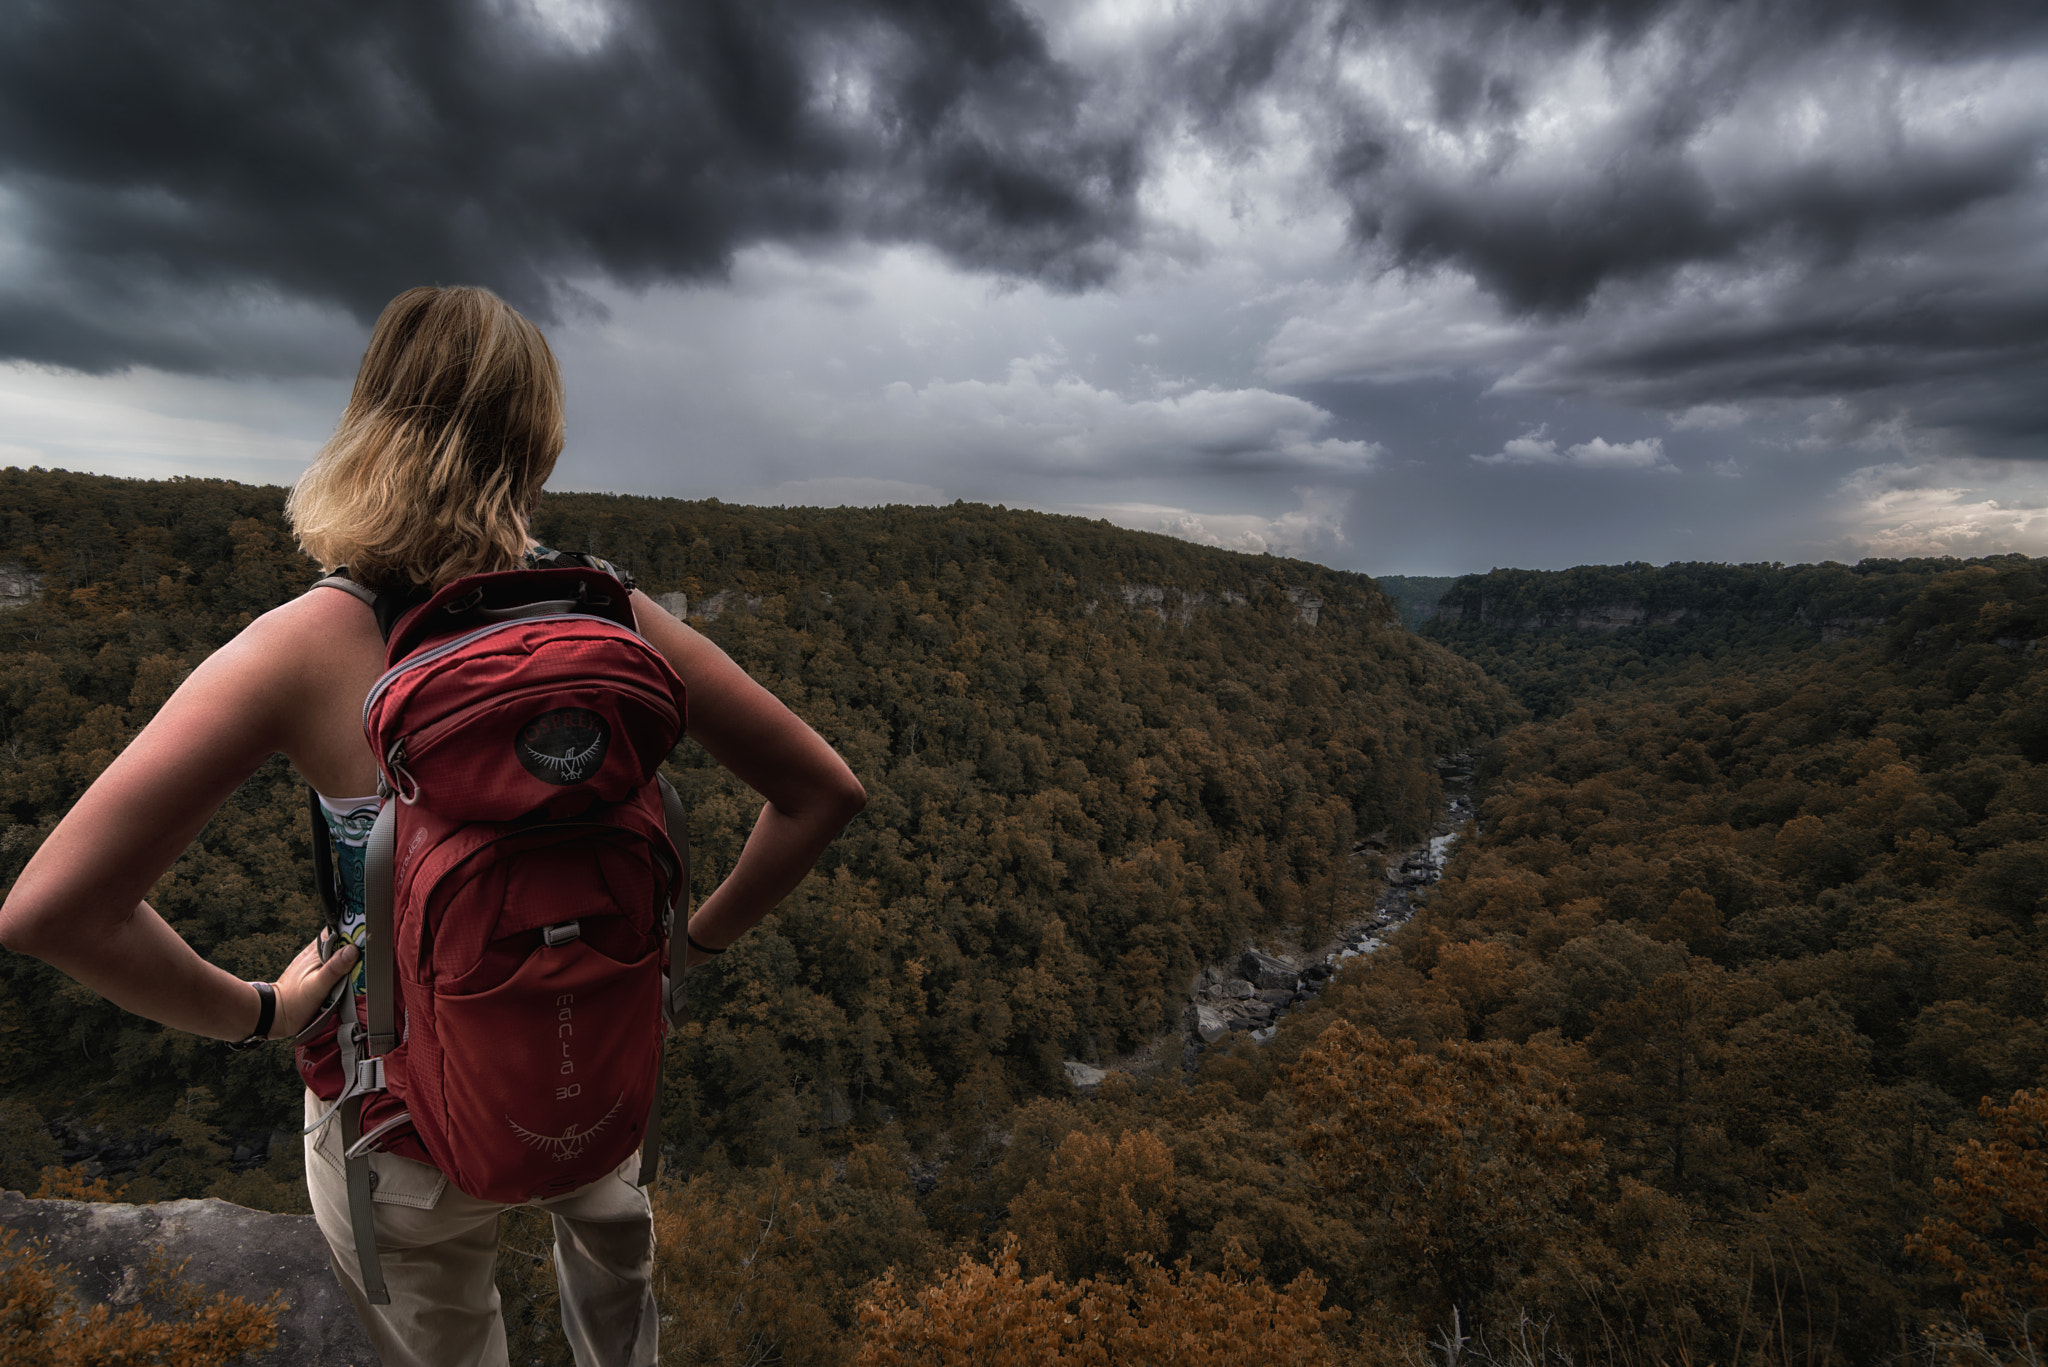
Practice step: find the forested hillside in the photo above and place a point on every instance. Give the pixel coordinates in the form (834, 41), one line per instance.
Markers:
(1554, 636)
(1711, 1046)
(1707, 1048)
(1095, 760)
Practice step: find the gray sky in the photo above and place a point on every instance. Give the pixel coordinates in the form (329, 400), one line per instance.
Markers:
(1401, 287)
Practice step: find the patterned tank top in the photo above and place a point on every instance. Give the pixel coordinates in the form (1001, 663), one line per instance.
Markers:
(348, 832)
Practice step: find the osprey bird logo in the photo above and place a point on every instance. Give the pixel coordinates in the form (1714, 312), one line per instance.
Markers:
(564, 746)
(572, 768)
(570, 1142)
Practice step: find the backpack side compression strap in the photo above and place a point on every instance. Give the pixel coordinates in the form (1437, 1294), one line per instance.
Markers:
(380, 961)
(671, 986)
(323, 859)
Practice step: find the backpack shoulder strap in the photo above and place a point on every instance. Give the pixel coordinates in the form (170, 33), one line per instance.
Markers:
(363, 1050)
(340, 580)
(388, 605)
(542, 558)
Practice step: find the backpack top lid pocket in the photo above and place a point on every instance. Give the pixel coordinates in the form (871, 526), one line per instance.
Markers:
(523, 693)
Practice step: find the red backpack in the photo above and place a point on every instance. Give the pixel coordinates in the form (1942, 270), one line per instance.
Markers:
(522, 881)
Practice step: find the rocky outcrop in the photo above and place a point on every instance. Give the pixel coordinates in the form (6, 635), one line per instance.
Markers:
(1837, 628)
(1207, 1023)
(246, 1253)
(1514, 612)
(1177, 606)
(1267, 972)
(1270, 986)
(1588, 617)
(1083, 1076)
(19, 586)
(726, 601)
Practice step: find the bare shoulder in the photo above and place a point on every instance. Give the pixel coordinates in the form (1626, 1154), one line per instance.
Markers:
(327, 613)
(301, 645)
(691, 652)
(292, 681)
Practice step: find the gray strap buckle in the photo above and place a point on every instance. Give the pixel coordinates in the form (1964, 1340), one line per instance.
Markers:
(554, 937)
(369, 1078)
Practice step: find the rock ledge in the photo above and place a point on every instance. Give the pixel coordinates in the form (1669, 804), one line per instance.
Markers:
(246, 1253)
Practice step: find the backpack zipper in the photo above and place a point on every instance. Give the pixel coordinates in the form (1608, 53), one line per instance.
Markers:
(420, 742)
(431, 905)
(390, 676)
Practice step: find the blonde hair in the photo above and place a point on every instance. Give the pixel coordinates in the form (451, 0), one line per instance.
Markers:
(439, 459)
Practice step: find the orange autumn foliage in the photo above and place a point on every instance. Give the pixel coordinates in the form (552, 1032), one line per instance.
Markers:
(1990, 1235)
(1102, 1201)
(42, 1325)
(1461, 1166)
(980, 1315)
(72, 1184)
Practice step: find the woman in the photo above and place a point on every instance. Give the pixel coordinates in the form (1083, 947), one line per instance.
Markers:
(454, 425)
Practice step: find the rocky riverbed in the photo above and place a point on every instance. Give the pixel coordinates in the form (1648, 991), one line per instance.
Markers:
(1254, 991)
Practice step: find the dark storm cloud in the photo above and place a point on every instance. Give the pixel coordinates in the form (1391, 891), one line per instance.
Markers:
(1963, 356)
(336, 151)
(168, 173)
(1545, 252)
(1836, 149)
(1640, 204)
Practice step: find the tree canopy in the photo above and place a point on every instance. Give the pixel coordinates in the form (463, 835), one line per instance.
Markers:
(1718, 1041)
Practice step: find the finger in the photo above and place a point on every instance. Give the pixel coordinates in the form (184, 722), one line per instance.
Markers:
(338, 965)
(321, 977)
(304, 961)
(307, 982)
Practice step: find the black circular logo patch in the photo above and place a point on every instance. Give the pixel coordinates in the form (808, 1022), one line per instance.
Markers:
(564, 746)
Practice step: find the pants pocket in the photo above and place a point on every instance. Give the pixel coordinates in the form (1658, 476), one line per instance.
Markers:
(394, 1181)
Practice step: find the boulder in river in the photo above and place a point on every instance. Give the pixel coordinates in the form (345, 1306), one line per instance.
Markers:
(1083, 1074)
(1210, 1024)
(1265, 971)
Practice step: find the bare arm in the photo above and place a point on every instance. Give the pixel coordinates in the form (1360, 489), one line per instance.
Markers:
(810, 792)
(79, 903)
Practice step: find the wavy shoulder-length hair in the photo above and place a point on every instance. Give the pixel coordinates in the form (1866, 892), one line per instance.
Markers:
(438, 462)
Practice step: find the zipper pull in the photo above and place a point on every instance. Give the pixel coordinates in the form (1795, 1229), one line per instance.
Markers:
(400, 778)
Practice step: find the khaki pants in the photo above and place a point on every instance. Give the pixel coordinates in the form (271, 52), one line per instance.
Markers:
(439, 1250)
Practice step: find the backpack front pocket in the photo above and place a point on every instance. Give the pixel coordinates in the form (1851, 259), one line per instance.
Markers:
(544, 1081)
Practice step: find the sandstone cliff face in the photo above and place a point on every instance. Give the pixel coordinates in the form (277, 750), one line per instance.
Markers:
(245, 1253)
(19, 586)
(1166, 602)
(1614, 616)
(1588, 617)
